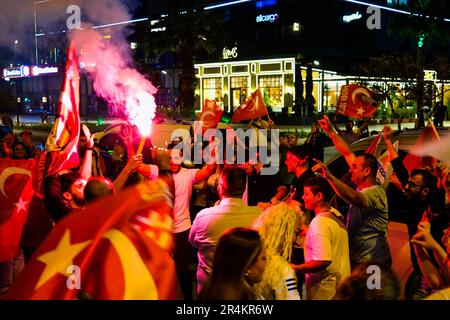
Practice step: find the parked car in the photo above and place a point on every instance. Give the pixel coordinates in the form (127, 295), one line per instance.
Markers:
(397, 229)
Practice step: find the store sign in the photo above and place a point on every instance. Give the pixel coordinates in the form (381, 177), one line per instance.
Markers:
(12, 72)
(36, 70)
(351, 17)
(228, 54)
(28, 71)
(267, 17)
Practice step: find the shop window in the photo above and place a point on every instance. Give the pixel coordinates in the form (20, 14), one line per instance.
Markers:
(239, 82)
(272, 90)
(239, 69)
(270, 67)
(212, 88)
(288, 66)
(212, 70)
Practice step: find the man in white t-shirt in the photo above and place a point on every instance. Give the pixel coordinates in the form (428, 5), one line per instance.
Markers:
(327, 260)
(184, 180)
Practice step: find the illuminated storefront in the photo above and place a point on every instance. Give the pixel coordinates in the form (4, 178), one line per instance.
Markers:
(231, 82)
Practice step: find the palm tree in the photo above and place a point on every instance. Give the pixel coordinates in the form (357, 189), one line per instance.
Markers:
(188, 31)
(423, 27)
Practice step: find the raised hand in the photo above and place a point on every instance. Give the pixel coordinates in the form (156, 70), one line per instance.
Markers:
(321, 168)
(89, 136)
(134, 162)
(423, 237)
(126, 134)
(387, 132)
(325, 124)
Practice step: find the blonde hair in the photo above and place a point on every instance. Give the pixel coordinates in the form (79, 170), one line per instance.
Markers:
(276, 227)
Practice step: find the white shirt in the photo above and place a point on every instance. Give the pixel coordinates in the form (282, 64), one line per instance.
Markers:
(327, 240)
(210, 224)
(183, 180)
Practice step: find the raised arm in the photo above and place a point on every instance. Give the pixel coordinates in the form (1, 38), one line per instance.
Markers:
(342, 190)
(86, 166)
(340, 144)
(133, 162)
(397, 164)
(205, 172)
(422, 242)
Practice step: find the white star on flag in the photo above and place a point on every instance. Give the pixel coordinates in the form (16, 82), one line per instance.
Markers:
(21, 205)
(360, 111)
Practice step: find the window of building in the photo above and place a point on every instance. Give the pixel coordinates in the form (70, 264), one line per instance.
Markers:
(239, 91)
(272, 89)
(212, 88)
(212, 70)
(239, 69)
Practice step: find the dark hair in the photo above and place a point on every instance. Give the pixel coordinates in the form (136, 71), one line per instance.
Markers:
(97, 187)
(319, 184)
(355, 287)
(24, 147)
(370, 162)
(233, 181)
(301, 152)
(54, 186)
(238, 248)
(429, 180)
(68, 179)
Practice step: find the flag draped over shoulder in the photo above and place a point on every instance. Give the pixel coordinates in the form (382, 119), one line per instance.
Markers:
(102, 253)
(63, 139)
(356, 101)
(253, 107)
(210, 116)
(412, 160)
(16, 192)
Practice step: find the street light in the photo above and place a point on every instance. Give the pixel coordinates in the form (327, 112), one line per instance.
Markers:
(322, 88)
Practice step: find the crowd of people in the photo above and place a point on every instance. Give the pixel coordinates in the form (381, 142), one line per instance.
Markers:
(271, 237)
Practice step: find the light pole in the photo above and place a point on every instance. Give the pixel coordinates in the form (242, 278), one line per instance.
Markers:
(322, 87)
(15, 51)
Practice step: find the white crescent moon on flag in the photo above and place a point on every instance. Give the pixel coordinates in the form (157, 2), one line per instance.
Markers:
(138, 282)
(204, 115)
(10, 171)
(362, 91)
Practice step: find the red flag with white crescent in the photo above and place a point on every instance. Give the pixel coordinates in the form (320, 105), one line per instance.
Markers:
(253, 107)
(16, 192)
(356, 101)
(101, 253)
(63, 139)
(210, 116)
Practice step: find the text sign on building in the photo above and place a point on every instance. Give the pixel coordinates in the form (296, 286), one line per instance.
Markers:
(28, 71)
(267, 17)
(229, 53)
(351, 17)
(12, 72)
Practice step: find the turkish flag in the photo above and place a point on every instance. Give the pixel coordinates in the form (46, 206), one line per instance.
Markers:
(252, 108)
(63, 139)
(412, 160)
(210, 116)
(101, 253)
(356, 101)
(16, 192)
